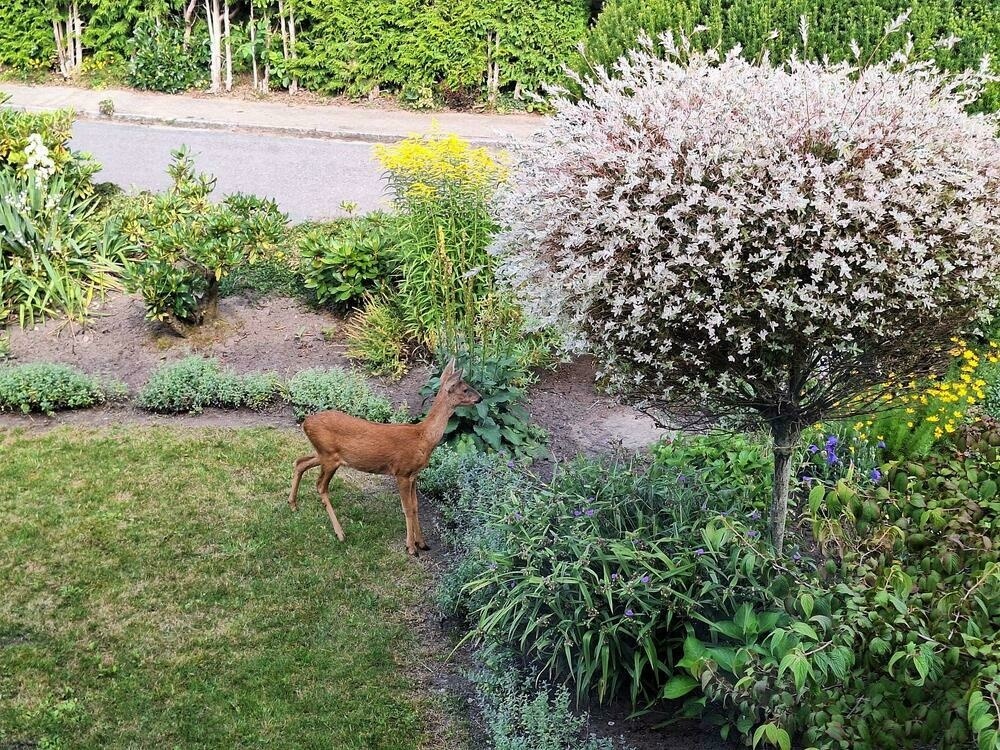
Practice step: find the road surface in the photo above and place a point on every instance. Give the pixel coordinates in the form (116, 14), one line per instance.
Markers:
(309, 178)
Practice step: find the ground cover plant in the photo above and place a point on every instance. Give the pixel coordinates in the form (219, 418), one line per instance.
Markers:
(336, 388)
(195, 383)
(47, 388)
(737, 273)
(185, 602)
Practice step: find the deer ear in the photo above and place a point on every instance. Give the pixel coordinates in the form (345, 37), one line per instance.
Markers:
(448, 373)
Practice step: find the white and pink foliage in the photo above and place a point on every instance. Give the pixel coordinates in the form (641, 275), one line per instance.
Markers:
(711, 223)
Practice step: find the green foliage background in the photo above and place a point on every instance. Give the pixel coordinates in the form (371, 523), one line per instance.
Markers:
(832, 25)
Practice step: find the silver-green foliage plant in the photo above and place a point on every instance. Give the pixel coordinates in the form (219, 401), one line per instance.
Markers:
(46, 388)
(195, 383)
(316, 390)
(521, 714)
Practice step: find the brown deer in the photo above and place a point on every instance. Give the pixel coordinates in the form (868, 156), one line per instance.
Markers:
(397, 450)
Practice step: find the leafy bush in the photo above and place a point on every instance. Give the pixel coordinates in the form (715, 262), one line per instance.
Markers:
(376, 338)
(47, 388)
(500, 421)
(190, 243)
(834, 25)
(316, 390)
(55, 256)
(159, 60)
(26, 43)
(195, 383)
(418, 47)
(344, 262)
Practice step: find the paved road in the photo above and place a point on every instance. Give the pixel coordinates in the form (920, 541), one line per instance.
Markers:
(307, 177)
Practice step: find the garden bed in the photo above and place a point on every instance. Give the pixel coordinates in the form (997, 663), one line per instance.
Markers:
(281, 335)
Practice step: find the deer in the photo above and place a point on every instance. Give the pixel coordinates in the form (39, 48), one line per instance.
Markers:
(397, 450)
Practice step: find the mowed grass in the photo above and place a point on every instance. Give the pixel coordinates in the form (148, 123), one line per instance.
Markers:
(157, 592)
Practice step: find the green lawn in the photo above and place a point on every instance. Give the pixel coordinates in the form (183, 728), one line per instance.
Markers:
(156, 591)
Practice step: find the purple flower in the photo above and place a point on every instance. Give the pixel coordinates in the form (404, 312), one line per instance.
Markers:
(753, 533)
(644, 579)
(876, 476)
(831, 458)
(755, 515)
(832, 441)
(510, 464)
(808, 480)
(796, 556)
(614, 576)
(577, 512)
(590, 511)
(699, 552)
(629, 613)
(682, 479)
(518, 516)
(881, 444)
(813, 448)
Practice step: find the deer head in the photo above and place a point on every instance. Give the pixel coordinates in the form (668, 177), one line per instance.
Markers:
(455, 390)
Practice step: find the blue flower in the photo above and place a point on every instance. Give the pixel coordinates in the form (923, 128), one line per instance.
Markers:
(699, 552)
(881, 444)
(755, 515)
(753, 533)
(644, 579)
(577, 512)
(813, 448)
(629, 613)
(682, 479)
(832, 441)
(876, 476)
(796, 556)
(614, 576)
(590, 511)
(831, 458)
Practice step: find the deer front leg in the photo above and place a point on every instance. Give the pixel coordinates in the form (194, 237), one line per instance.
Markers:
(323, 485)
(302, 465)
(405, 485)
(418, 534)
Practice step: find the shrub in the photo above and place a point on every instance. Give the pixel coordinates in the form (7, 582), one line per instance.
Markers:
(195, 383)
(377, 339)
(160, 61)
(47, 388)
(315, 390)
(191, 244)
(644, 219)
(418, 47)
(834, 26)
(344, 262)
(26, 43)
(499, 422)
(55, 257)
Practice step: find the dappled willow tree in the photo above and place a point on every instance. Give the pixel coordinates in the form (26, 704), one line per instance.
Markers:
(780, 244)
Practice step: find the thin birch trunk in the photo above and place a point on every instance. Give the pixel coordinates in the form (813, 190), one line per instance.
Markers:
(253, 49)
(57, 34)
(188, 22)
(215, 42)
(266, 85)
(229, 45)
(77, 36)
(785, 438)
(293, 87)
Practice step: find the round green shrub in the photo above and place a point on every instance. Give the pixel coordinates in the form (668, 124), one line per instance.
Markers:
(46, 388)
(316, 390)
(194, 383)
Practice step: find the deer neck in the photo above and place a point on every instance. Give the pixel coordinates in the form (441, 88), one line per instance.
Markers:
(436, 421)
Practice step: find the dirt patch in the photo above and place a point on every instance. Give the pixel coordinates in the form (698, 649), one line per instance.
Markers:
(281, 335)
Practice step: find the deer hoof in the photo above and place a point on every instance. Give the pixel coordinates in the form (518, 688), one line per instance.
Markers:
(422, 545)
(412, 551)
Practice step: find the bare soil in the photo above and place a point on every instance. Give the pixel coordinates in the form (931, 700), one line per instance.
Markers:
(281, 335)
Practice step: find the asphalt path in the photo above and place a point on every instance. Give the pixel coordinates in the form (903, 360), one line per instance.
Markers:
(308, 177)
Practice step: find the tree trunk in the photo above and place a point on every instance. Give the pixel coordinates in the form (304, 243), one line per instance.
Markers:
(265, 85)
(77, 24)
(785, 438)
(253, 49)
(214, 17)
(229, 45)
(188, 22)
(293, 87)
(493, 68)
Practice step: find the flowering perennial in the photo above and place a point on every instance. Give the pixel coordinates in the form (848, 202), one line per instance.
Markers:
(715, 225)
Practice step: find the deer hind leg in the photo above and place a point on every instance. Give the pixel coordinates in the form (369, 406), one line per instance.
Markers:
(405, 485)
(418, 534)
(302, 465)
(323, 485)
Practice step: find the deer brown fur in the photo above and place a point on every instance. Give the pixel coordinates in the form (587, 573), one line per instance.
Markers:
(397, 450)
